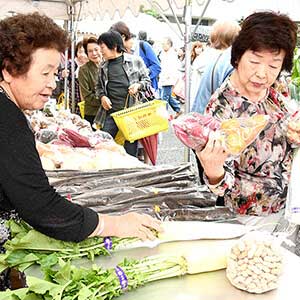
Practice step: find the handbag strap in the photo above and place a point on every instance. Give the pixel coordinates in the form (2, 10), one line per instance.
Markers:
(212, 74)
(127, 99)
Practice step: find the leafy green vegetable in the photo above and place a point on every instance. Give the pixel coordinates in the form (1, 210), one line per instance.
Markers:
(71, 283)
(28, 247)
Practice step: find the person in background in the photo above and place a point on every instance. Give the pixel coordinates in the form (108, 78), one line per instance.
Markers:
(127, 36)
(255, 182)
(80, 59)
(221, 37)
(169, 74)
(122, 76)
(196, 50)
(87, 78)
(146, 52)
(31, 45)
(181, 68)
(150, 59)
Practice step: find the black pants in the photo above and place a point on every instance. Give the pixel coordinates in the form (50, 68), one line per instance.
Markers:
(111, 127)
(220, 200)
(91, 120)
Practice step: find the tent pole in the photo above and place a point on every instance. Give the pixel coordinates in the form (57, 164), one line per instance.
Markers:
(66, 96)
(201, 17)
(187, 45)
(72, 32)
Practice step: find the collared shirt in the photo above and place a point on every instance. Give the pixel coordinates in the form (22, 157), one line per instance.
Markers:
(256, 181)
(135, 70)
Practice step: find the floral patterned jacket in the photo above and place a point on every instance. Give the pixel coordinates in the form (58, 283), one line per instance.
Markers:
(256, 181)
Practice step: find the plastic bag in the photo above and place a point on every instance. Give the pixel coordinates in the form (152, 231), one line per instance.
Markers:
(292, 209)
(237, 133)
(255, 263)
(193, 129)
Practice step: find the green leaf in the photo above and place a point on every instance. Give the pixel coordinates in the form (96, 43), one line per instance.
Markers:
(84, 293)
(19, 257)
(14, 295)
(41, 287)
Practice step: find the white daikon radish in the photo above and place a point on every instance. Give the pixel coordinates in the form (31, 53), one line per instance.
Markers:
(195, 230)
(210, 257)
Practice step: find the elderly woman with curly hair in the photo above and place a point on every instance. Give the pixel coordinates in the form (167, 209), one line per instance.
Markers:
(29, 57)
(256, 181)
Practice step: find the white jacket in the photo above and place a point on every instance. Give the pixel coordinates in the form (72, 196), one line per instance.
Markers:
(169, 68)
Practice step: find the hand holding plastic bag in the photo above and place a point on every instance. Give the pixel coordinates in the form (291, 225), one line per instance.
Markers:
(237, 133)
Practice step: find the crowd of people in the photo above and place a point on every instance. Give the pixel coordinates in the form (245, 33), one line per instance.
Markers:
(234, 76)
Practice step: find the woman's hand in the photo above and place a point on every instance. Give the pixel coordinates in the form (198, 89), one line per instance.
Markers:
(106, 103)
(131, 225)
(212, 159)
(65, 73)
(133, 89)
(293, 131)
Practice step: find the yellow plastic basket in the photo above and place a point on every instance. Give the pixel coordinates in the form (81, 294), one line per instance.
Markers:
(142, 120)
(81, 108)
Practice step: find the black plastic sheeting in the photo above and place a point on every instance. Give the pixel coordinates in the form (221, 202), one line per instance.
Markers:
(166, 192)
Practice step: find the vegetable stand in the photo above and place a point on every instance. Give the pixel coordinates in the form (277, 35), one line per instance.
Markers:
(208, 286)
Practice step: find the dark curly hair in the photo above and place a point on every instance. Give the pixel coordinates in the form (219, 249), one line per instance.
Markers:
(22, 34)
(266, 31)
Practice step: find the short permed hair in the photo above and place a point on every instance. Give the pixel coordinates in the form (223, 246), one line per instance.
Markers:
(113, 40)
(123, 29)
(22, 34)
(266, 31)
(90, 40)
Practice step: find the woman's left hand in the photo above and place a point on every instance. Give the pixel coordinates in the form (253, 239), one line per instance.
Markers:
(133, 89)
(293, 131)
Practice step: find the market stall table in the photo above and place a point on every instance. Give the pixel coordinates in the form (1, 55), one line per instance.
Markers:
(206, 286)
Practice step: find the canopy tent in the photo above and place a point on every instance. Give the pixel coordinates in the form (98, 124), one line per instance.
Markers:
(232, 9)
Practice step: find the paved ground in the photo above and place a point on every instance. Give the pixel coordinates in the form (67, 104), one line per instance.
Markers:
(170, 149)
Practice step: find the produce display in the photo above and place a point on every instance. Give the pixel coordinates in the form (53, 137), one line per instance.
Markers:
(194, 129)
(72, 155)
(255, 264)
(69, 282)
(67, 142)
(28, 246)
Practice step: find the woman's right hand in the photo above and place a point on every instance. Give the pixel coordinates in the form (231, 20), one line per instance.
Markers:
(212, 159)
(106, 103)
(131, 225)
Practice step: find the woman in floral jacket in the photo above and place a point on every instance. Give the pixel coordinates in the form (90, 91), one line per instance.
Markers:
(256, 181)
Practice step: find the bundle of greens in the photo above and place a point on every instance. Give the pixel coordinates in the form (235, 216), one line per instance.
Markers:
(68, 282)
(28, 246)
